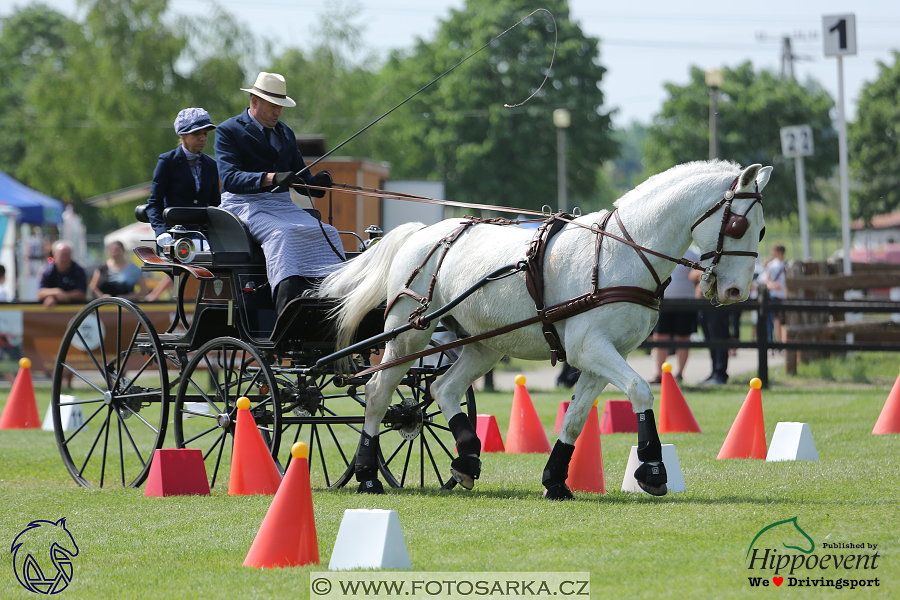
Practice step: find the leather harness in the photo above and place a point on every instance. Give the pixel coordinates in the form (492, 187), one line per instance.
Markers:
(733, 225)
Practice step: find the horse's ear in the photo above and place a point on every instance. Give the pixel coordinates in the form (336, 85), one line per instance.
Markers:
(763, 178)
(62, 522)
(748, 175)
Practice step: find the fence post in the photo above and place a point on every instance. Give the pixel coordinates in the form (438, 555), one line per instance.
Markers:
(762, 337)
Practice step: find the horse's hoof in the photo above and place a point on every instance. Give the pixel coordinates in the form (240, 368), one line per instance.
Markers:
(651, 477)
(653, 490)
(465, 470)
(370, 486)
(560, 491)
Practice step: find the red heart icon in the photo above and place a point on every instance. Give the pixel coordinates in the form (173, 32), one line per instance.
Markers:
(778, 580)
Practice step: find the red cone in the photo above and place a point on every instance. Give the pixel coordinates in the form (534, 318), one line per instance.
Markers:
(526, 432)
(560, 416)
(889, 419)
(287, 536)
(253, 469)
(586, 466)
(675, 415)
(21, 408)
(489, 433)
(747, 437)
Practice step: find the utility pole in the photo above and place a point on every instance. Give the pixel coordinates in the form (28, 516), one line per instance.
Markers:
(787, 49)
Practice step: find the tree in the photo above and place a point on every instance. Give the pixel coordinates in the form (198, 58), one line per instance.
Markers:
(30, 38)
(460, 131)
(752, 108)
(874, 144)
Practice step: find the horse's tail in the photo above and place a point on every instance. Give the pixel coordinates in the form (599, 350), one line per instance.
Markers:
(361, 283)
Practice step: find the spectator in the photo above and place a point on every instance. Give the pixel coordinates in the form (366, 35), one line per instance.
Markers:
(774, 278)
(677, 324)
(4, 297)
(63, 281)
(118, 276)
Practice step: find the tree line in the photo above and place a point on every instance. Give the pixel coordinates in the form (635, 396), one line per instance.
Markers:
(87, 105)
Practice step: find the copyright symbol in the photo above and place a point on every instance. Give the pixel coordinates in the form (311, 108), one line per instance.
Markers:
(321, 586)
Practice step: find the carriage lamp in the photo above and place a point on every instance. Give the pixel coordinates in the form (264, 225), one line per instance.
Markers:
(184, 250)
(374, 231)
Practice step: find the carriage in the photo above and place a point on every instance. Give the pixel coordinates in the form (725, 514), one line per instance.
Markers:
(134, 379)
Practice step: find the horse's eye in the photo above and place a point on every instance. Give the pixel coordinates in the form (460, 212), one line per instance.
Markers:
(762, 233)
(737, 226)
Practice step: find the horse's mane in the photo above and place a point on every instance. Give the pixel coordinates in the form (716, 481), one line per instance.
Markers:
(682, 172)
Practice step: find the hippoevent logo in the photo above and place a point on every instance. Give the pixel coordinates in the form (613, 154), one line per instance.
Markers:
(42, 556)
(782, 553)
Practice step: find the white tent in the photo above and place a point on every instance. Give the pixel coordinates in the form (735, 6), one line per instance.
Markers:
(132, 236)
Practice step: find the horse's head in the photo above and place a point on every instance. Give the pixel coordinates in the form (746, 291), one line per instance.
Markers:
(783, 534)
(728, 233)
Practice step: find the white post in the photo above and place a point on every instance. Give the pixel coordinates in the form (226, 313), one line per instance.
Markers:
(801, 203)
(842, 157)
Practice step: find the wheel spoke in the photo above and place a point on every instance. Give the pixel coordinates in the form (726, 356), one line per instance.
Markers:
(94, 445)
(105, 446)
(102, 349)
(82, 377)
(83, 425)
(142, 419)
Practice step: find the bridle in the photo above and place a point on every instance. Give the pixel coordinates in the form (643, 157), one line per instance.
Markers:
(734, 225)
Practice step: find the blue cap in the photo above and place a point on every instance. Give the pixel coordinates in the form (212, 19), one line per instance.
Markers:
(190, 120)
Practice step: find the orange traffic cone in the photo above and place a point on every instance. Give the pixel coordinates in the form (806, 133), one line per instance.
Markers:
(489, 433)
(586, 466)
(253, 470)
(747, 437)
(560, 416)
(287, 536)
(526, 433)
(21, 409)
(889, 419)
(675, 415)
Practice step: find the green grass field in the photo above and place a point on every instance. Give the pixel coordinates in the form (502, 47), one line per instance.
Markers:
(690, 544)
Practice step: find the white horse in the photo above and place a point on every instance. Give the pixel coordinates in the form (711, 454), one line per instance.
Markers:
(664, 214)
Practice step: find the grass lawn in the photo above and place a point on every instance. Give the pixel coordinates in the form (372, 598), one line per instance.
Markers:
(691, 544)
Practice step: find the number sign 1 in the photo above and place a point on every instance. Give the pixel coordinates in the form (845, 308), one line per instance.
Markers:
(839, 34)
(796, 141)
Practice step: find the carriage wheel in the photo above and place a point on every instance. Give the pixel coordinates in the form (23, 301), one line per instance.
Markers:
(328, 419)
(112, 359)
(221, 371)
(415, 441)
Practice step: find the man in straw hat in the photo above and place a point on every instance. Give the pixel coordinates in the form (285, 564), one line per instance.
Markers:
(256, 153)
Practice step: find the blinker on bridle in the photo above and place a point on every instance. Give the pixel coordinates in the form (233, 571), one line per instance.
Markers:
(734, 225)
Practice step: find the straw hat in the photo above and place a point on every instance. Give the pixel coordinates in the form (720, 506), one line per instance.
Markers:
(271, 87)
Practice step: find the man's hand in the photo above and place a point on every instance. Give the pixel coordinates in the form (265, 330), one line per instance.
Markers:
(285, 179)
(165, 239)
(320, 179)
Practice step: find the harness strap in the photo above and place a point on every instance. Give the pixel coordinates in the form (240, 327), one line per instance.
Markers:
(534, 281)
(557, 312)
(424, 301)
(660, 285)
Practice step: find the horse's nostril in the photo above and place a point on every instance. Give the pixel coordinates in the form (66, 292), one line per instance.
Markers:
(734, 292)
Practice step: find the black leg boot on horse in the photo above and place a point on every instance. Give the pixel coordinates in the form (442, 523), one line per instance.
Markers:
(466, 467)
(366, 466)
(651, 474)
(557, 471)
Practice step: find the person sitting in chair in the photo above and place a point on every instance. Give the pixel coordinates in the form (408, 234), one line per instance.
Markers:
(259, 161)
(184, 176)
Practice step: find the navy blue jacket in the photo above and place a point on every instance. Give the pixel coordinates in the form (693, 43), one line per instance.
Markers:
(173, 185)
(245, 156)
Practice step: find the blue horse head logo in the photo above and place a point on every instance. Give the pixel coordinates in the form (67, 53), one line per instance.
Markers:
(42, 556)
(789, 534)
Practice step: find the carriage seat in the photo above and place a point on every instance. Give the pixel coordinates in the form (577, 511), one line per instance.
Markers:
(229, 238)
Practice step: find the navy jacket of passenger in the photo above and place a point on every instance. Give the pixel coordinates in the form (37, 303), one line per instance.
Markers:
(245, 156)
(173, 185)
